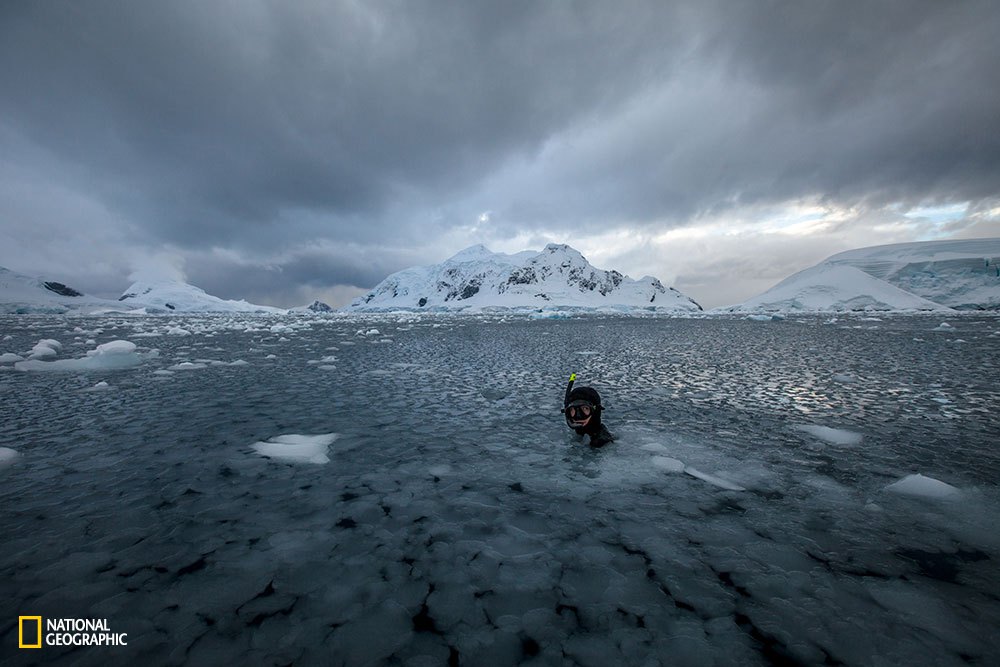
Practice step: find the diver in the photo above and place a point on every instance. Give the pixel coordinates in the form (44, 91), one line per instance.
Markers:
(582, 407)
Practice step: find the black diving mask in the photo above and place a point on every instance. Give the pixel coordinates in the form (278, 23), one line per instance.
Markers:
(580, 412)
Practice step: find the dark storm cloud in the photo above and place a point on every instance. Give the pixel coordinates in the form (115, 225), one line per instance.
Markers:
(264, 127)
(209, 118)
(853, 102)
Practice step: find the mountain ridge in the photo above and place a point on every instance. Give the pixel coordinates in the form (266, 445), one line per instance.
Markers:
(556, 277)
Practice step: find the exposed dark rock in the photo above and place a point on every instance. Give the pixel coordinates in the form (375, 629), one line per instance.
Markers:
(60, 289)
(471, 288)
(319, 307)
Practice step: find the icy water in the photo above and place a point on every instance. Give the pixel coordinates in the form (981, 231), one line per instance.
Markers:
(741, 518)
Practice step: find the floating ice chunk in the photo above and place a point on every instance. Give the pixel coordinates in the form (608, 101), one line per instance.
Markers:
(113, 348)
(845, 379)
(297, 448)
(163, 372)
(177, 331)
(51, 342)
(187, 366)
(7, 455)
(10, 357)
(271, 356)
(923, 487)
(327, 367)
(668, 464)
(712, 479)
(239, 362)
(587, 352)
(944, 326)
(835, 436)
(325, 360)
(100, 386)
(775, 317)
(440, 470)
(115, 355)
(45, 349)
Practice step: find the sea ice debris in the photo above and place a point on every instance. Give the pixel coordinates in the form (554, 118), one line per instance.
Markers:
(835, 436)
(45, 349)
(923, 487)
(296, 448)
(115, 355)
(7, 455)
(187, 366)
(712, 479)
(668, 464)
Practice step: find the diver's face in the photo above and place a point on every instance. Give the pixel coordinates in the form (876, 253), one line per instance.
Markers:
(580, 415)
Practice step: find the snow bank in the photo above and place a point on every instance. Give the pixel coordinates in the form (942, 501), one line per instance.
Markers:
(115, 355)
(297, 448)
(923, 487)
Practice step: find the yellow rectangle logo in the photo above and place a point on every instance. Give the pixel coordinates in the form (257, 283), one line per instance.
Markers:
(21, 643)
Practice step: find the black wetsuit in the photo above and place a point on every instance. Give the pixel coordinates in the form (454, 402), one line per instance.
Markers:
(599, 437)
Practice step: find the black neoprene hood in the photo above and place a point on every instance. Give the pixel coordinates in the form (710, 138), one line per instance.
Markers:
(588, 394)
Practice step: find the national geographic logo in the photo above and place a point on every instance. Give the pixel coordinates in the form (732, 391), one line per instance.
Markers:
(67, 632)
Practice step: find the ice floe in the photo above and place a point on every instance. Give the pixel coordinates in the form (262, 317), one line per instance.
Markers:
(835, 436)
(7, 455)
(117, 354)
(713, 479)
(923, 487)
(100, 386)
(45, 349)
(187, 366)
(668, 464)
(296, 448)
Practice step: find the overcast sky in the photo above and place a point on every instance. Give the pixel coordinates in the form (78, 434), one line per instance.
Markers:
(286, 151)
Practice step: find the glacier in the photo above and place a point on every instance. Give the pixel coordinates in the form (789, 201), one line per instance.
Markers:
(922, 276)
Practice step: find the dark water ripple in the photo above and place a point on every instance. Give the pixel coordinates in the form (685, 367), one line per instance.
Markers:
(457, 520)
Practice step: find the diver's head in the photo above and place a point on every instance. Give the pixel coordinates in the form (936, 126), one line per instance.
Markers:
(583, 410)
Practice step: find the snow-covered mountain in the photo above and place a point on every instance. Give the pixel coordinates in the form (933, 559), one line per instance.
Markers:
(558, 276)
(23, 294)
(928, 275)
(180, 297)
